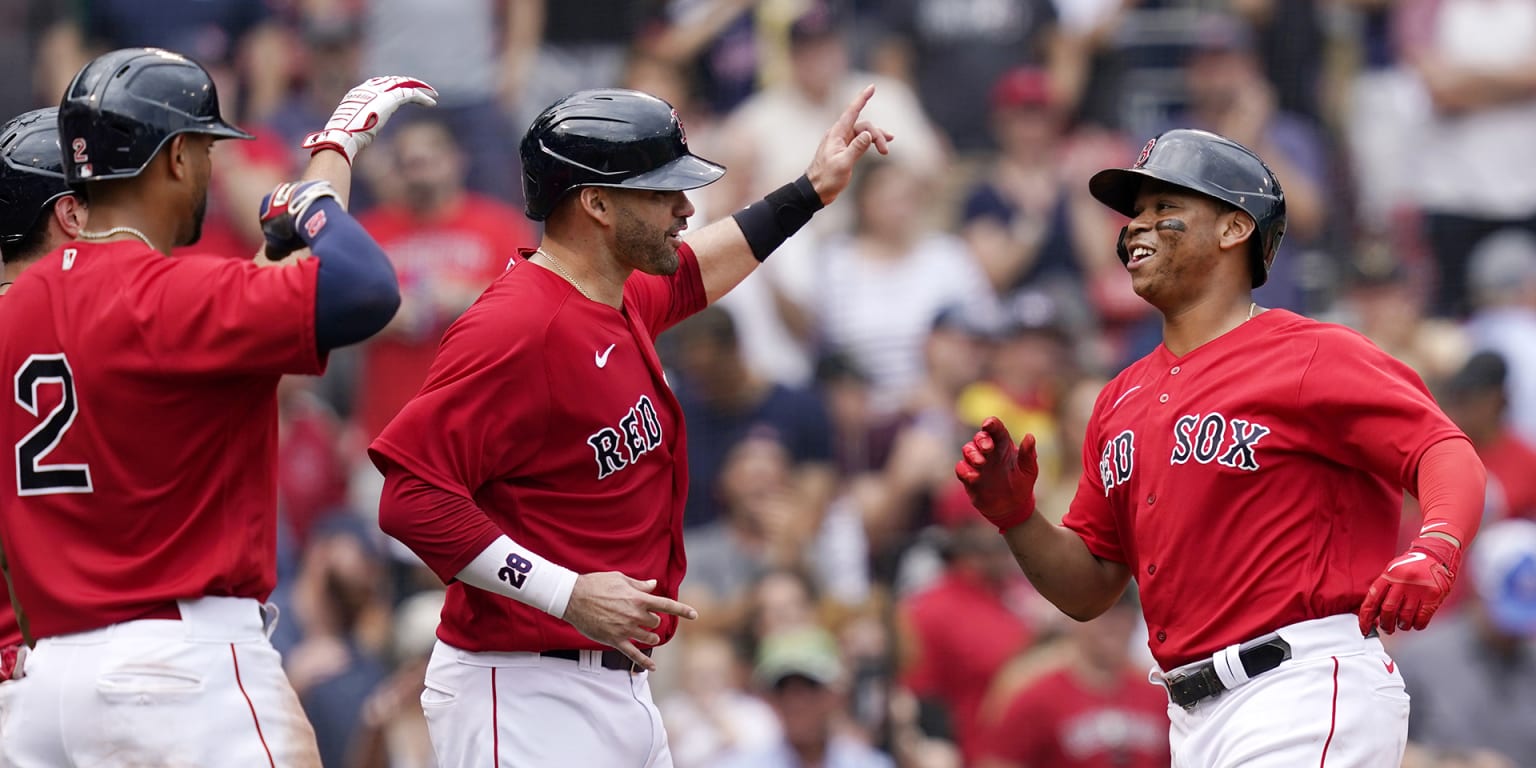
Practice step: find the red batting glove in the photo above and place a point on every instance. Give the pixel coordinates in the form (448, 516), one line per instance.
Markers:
(1407, 594)
(999, 478)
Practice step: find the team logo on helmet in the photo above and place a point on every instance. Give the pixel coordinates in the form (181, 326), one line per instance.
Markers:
(682, 135)
(1146, 152)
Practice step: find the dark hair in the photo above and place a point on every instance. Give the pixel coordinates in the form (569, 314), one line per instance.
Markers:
(31, 244)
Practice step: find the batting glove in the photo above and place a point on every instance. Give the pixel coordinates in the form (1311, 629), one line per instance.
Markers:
(283, 208)
(364, 110)
(998, 476)
(1407, 594)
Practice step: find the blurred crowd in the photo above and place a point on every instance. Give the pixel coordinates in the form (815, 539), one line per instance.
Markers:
(854, 611)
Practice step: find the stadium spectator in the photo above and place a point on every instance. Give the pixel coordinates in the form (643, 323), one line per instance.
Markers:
(804, 680)
(447, 244)
(1473, 59)
(1473, 682)
(1089, 706)
(1476, 399)
(1503, 282)
(711, 713)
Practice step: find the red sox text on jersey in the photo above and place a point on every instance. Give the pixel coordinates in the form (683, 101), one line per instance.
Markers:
(1204, 438)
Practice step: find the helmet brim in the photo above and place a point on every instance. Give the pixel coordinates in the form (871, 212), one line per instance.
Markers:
(1118, 187)
(222, 130)
(686, 172)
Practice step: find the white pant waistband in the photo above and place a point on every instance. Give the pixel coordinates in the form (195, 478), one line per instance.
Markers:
(205, 619)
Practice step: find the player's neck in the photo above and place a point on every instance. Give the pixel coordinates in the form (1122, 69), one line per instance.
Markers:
(1196, 323)
(106, 218)
(570, 263)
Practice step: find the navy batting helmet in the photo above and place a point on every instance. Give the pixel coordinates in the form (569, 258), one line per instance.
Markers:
(125, 105)
(31, 172)
(1214, 166)
(607, 138)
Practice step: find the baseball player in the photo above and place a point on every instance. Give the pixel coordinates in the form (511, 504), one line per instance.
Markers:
(37, 215)
(139, 514)
(541, 471)
(1249, 475)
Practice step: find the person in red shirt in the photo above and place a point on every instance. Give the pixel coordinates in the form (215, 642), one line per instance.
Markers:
(1477, 399)
(1089, 706)
(1249, 474)
(544, 460)
(38, 213)
(447, 245)
(952, 663)
(138, 520)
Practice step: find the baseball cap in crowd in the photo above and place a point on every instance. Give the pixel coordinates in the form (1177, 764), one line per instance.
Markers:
(1484, 372)
(808, 652)
(1501, 262)
(1022, 88)
(1032, 312)
(818, 23)
(1504, 573)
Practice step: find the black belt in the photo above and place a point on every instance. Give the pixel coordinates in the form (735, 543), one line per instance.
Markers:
(611, 659)
(1192, 684)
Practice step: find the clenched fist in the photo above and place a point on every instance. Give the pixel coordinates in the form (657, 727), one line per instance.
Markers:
(998, 476)
(1410, 590)
(364, 110)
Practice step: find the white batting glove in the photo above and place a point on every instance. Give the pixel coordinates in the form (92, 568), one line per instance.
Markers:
(364, 110)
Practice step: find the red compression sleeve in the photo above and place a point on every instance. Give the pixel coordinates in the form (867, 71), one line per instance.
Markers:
(443, 528)
(1452, 484)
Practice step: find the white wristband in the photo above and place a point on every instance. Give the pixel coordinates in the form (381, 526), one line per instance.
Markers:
(508, 568)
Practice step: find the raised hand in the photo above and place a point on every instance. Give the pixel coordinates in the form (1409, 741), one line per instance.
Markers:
(364, 110)
(617, 611)
(281, 210)
(999, 477)
(1410, 590)
(846, 141)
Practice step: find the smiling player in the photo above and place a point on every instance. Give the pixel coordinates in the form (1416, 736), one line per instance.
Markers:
(1248, 473)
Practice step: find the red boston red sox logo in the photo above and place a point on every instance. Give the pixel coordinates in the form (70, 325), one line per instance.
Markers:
(1146, 153)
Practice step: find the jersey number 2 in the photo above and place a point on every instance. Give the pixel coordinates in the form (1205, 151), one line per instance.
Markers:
(33, 478)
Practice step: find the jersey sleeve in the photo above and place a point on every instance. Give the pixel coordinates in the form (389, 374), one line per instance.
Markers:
(481, 414)
(224, 316)
(1090, 516)
(664, 301)
(1369, 410)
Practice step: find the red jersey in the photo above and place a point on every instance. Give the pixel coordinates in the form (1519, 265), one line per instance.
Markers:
(552, 413)
(1254, 482)
(1059, 722)
(145, 427)
(459, 253)
(956, 660)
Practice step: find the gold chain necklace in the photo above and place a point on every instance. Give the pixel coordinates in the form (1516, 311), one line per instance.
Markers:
(564, 273)
(117, 231)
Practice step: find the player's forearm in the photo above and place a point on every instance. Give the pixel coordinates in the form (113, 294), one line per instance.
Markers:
(728, 250)
(332, 166)
(446, 530)
(1452, 484)
(1061, 568)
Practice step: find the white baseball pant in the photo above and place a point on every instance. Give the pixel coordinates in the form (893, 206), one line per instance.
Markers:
(523, 710)
(1338, 702)
(206, 690)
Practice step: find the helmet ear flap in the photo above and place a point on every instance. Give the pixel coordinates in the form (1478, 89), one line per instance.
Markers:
(1120, 249)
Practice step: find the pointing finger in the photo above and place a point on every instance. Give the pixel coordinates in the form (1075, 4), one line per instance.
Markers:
(844, 125)
(672, 607)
